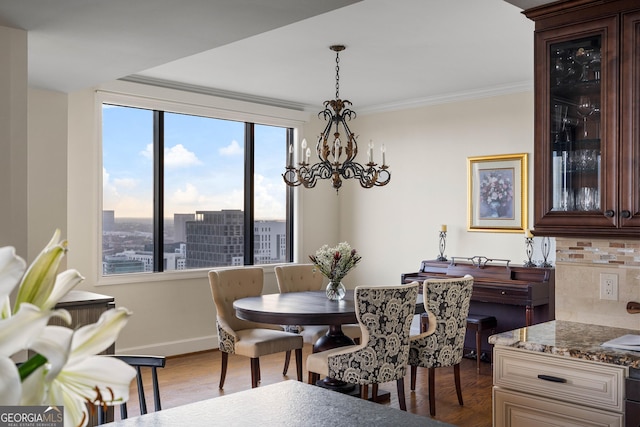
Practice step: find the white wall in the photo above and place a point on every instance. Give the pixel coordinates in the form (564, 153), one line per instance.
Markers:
(13, 139)
(394, 227)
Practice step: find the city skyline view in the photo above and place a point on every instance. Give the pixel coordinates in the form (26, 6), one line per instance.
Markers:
(203, 164)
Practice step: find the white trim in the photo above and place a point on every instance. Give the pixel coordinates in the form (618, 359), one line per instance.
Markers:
(174, 348)
(146, 96)
(450, 97)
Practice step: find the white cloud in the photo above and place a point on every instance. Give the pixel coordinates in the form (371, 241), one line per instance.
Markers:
(266, 205)
(148, 152)
(232, 149)
(174, 157)
(127, 183)
(187, 196)
(178, 156)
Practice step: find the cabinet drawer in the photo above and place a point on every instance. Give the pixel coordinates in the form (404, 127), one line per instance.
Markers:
(513, 409)
(571, 380)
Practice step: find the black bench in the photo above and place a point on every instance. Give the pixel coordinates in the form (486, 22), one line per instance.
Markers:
(480, 323)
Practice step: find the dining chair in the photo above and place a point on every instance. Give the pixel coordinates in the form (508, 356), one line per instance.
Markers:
(384, 314)
(241, 337)
(442, 344)
(300, 278)
(139, 362)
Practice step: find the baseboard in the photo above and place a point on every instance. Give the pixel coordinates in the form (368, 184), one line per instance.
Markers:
(173, 348)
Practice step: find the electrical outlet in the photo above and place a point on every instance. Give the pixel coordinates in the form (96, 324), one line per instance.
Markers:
(609, 286)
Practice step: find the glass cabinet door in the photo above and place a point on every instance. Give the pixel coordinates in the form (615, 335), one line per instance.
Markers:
(575, 96)
(577, 132)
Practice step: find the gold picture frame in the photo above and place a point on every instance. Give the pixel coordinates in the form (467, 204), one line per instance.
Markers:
(497, 193)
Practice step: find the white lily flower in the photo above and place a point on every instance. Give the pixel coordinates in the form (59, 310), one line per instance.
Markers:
(75, 374)
(65, 281)
(18, 331)
(10, 386)
(39, 280)
(11, 269)
(66, 370)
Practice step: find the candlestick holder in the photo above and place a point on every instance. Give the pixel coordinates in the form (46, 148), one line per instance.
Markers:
(546, 247)
(441, 245)
(528, 241)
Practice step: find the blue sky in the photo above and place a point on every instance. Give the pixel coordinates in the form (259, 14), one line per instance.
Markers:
(204, 161)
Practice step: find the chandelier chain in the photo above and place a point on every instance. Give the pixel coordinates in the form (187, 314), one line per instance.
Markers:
(337, 75)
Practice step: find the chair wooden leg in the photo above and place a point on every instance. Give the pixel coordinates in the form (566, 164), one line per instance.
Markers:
(223, 370)
(478, 348)
(401, 399)
(374, 392)
(299, 363)
(414, 370)
(432, 394)
(287, 359)
(456, 376)
(364, 391)
(255, 372)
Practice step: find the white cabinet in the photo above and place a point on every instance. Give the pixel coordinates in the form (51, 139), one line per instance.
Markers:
(533, 389)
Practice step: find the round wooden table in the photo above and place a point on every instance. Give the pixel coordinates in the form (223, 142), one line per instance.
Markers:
(303, 308)
(308, 308)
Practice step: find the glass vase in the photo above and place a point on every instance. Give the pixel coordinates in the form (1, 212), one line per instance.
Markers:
(336, 291)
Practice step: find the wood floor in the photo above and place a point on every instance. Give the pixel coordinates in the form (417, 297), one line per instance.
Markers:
(193, 377)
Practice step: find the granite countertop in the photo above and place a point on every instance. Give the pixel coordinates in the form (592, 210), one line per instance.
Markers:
(571, 339)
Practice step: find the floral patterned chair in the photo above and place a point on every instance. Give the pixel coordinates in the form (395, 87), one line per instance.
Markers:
(242, 337)
(384, 314)
(447, 304)
(300, 278)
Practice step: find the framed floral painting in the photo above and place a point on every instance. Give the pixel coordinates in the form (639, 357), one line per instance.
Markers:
(498, 193)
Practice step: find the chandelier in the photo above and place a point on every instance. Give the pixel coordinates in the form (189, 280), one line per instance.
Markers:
(336, 156)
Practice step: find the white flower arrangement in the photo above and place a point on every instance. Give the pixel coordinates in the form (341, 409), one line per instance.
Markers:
(65, 371)
(335, 262)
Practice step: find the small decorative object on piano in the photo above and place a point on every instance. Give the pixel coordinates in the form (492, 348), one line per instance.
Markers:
(546, 247)
(442, 243)
(335, 263)
(528, 241)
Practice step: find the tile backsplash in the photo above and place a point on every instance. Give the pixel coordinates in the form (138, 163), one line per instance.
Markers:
(579, 263)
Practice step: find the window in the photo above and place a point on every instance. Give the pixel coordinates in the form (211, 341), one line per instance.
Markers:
(182, 190)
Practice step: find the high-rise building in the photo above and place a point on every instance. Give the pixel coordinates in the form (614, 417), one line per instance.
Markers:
(215, 238)
(108, 221)
(180, 226)
(270, 241)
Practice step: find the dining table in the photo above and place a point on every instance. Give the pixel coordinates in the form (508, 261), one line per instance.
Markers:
(307, 308)
(287, 403)
(311, 308)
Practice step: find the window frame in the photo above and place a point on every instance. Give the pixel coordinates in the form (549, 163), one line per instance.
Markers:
(180, 102)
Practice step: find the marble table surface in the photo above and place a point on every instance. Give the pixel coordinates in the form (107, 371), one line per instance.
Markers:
(287, 403)
(571, 339)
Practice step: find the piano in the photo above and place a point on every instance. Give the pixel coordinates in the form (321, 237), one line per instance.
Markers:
(516, 295)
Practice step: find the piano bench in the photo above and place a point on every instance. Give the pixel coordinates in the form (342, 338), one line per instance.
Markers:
(480, 323)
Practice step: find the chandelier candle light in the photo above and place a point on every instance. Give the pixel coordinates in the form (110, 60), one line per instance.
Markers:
(337, 157)
(528, 241)
(442, 244)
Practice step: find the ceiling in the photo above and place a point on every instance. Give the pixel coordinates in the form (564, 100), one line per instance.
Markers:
(399, 52)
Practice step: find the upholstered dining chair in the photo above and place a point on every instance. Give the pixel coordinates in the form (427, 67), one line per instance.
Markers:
(442, 344)
(384, 314)
(306, 277)
(139, 362)
(242, 337)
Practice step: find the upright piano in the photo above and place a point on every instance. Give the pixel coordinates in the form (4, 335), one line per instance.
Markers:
(516, 295)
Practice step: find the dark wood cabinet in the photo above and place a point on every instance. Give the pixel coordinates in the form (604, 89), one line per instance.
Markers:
(587, 113)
